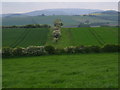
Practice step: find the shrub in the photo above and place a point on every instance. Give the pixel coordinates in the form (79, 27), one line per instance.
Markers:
(18, 51)
(50, 49)
(59, 51)
(35, 50)
(6, 52)
(110, 48)
(95, 49)
(70, 49)
(80, 49)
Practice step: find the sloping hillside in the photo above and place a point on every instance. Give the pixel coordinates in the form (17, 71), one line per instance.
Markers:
(67, 20)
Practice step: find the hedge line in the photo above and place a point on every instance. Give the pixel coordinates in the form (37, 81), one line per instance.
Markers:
(48, 50)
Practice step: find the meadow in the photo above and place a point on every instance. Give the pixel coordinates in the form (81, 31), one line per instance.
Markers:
(62, 71)
(70, 36)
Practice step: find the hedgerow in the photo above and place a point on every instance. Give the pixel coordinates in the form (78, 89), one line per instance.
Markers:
(48, 50)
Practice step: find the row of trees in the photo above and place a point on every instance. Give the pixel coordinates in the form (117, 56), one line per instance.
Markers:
(57, 29)
(48, 50)
(28, 26)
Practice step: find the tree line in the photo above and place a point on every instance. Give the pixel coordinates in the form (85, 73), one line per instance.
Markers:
(28, 26)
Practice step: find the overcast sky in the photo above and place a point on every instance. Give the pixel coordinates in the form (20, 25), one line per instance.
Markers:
(21, 7)
(60, 0)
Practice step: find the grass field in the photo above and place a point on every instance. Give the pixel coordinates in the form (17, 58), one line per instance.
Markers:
(62, 71)
(25, 37)
(87, 36)
(70, 37)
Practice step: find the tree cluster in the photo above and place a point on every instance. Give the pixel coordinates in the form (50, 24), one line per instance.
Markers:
(28, 26)
(57, 29)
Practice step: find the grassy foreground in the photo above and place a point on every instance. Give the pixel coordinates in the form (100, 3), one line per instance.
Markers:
(62, 71)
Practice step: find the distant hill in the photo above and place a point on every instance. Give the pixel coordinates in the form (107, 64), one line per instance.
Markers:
(69, 17)
(62, 12)
(107, 15)
(56, 12)
(111, 12)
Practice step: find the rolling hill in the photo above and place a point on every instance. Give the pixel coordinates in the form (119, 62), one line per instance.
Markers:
(73, 17)
(67, 20)
(48, 12)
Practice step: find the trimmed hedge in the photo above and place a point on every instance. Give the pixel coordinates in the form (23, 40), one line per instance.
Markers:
(48, 50)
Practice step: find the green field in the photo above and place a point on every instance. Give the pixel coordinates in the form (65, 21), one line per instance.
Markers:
(62, 71)
(70, 37)
(24, 37)
(86, 36)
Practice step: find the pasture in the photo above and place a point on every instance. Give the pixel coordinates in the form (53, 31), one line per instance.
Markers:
(62, 71)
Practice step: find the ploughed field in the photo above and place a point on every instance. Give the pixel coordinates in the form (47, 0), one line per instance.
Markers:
(70, 36)
(62, 71)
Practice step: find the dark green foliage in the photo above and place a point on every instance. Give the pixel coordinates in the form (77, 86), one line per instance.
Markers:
(111, 48)
(41, 50)
(50, 49)
(35, 50)
(28, 26)
(18, 51)
(95, 49)
(6, 52)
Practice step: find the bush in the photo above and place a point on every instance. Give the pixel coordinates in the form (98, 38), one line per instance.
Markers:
(59, 51)
(95, 49)
(50, 49)
(80, 49)
(6, 52)
(70, 49)
(35, 50)
(18, 51)
(41, 50)
(111, 48)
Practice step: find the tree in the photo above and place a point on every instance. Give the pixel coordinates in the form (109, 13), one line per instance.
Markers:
(43, 15)
(58, 23)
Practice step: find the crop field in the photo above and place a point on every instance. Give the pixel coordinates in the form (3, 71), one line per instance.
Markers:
(24, 37)
(62, 71)
(70, 37)
(87, 36)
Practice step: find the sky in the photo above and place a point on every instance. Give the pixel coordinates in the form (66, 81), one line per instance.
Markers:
(23, 7)
(60, 0)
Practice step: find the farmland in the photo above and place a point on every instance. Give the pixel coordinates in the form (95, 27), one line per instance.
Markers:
(62, 71)
(86, 36)
(70, 37)
(24, 37)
